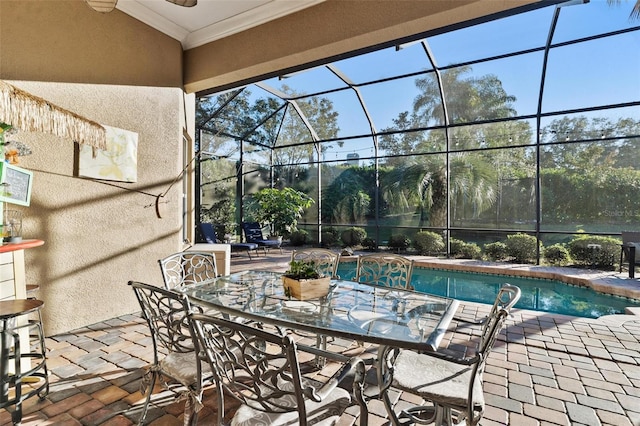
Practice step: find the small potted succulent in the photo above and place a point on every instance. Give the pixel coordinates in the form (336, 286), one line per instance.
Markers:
(303, 281)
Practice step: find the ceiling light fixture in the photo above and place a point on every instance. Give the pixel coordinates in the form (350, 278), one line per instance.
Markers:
(105, 6)
(102, 6)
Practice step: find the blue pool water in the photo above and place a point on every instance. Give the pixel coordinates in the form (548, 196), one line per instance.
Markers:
(537, 294)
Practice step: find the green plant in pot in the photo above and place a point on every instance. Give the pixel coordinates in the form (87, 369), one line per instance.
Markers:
(303, 281)
(281, 208)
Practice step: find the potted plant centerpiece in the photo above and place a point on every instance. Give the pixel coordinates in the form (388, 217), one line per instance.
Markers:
(303, 281)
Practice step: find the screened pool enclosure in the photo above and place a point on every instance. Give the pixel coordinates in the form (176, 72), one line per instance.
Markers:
(522, 123)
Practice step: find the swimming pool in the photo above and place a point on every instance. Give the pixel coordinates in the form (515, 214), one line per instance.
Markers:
(537, 294)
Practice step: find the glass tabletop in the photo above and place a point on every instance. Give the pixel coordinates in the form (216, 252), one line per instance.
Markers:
(351, 310)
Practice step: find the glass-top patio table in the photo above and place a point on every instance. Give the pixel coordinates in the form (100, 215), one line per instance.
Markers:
(351, 310)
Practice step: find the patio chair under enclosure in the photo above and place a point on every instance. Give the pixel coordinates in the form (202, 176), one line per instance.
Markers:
(261, 370)
(453, 385)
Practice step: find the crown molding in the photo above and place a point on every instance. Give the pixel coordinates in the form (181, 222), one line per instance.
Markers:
(250, 18)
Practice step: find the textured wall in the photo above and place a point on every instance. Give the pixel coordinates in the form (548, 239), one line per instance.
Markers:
(100, 235)
(67, 41)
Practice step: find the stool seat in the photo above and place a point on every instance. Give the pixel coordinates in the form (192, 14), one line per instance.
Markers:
(20, 362)
(17, 307)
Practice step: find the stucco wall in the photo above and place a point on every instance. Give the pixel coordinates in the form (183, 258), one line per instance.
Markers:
(67, 41)
(100, 235)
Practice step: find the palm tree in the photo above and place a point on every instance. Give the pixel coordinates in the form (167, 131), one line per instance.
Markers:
(635, 12)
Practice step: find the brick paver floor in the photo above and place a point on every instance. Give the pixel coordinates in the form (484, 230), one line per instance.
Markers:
(545, 369)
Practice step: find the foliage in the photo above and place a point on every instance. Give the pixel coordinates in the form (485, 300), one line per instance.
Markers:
(330, 237)
(353, 236)
(302, 270)
(455, 247)
(319, 113)
(369, 244)
(348, 198)
(399, 241)
(557, 254)
(471, 251)
(463, 250)
(298, 237)
(280, 207)
(427, 242)
(522, 247)
(496, 251)
(601, 258)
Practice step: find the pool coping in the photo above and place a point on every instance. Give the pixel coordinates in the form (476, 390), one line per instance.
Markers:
(608, 282)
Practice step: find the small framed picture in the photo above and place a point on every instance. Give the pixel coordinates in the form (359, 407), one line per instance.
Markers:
(15, 184)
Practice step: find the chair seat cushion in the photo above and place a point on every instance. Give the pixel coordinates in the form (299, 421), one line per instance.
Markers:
(243, 246)
(322, 413)
(182, 367)
(435, 379)
(267, 243)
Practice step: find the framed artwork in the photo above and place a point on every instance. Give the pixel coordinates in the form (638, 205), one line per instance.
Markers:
(16, 184)
(119, 162)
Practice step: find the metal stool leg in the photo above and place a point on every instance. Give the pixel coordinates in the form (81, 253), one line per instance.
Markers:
(16, 327)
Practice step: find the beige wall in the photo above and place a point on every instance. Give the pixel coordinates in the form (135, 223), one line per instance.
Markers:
(97, 235)
(100, 235)
(66, 41)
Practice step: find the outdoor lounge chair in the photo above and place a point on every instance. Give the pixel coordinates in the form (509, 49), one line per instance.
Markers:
(630, 243)
(253, 234)
(209, 234)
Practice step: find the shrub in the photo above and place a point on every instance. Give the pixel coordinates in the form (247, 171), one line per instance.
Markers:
(456, 247)
(330, 237)
(470, 251)
(353, 236)
(522, 247)
(369, 244)
(400, 242)
(556, 254)
(427, 242)
(299, 237)
(601, 258)
(496, 251)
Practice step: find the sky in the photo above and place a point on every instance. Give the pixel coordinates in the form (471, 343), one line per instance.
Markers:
(597, 72)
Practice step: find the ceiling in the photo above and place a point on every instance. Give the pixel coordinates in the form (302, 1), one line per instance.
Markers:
(209, 20)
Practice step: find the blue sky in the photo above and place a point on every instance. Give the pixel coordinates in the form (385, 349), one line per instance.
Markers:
(597, 72)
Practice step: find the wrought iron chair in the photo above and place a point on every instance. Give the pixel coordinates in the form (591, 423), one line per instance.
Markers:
(166, 313)
(261, 370)
(187, 267)
(452, 384)
(630, 242)
(385, 269)
(326, 260)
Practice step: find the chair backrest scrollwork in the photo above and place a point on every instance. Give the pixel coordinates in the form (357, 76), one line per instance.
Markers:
(187, 267)
(325, 260)
(389, 270)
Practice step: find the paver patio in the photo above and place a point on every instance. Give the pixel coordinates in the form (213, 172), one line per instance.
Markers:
(546, 369)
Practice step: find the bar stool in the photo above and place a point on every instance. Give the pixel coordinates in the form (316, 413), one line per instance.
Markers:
(20, 331)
